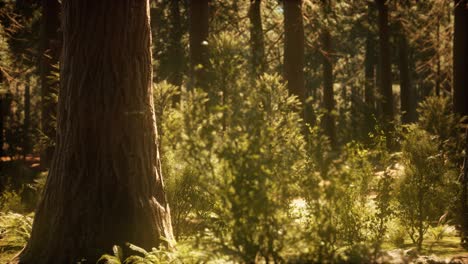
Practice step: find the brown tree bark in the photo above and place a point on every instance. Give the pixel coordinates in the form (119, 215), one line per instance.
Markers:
(198, 38)
(294, 54)
(385, 71)
(328, 98)
(27, 120)
(257, 42)
(2, 118)
(50, 45)
(460, 58)
(460, 97)
(294, 48)
(176, 50)
(105, 185)
(370, 62)
(408, 104)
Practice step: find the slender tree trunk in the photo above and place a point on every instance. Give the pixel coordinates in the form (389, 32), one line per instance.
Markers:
(27, 120)
(385, 79)
(2, 118)
(256, 38)
(370, 61)
(460, 96)
(408, 108)
(328, 98)
(198, 38)
(438, 77)
(176, 50)
(2, 114)
(105, 185)
(49, 56)
(294, 53)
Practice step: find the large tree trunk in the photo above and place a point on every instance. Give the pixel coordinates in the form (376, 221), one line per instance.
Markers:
(257, 42)
(105, 185)
(198, 38)
(460, 96)
(385, 72)
(408, 105)
(50, 46)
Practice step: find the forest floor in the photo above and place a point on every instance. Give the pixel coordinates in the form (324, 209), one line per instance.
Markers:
(447, 250)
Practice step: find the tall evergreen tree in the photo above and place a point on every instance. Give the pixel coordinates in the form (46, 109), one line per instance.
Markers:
(105, 185)
(385, 69)
(408, 104)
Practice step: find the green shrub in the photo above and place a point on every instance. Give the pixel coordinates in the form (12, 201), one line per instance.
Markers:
(423, 189)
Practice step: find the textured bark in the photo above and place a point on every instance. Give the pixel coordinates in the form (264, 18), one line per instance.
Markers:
(257, 41)
(460, 58)
(50, 45)
(198, 38)
(408, 106)
(105, 185)
(328, 99)
(385, 71)
(294, 48)
(460, 97)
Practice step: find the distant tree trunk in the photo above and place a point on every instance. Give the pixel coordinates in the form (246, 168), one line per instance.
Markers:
(1, 124)
(385, 69)
(370, 62)
(105, 185)
(198, 38)
(438, 77)
(294, 52)
(50, 47)
(2, 118)
(408, 106)
(176, 50)
(460, 96)
(27, 120)
(328, 98)
(256, 38)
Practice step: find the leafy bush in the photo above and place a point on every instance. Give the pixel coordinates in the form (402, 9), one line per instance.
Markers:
(423, 195)
(233, 158)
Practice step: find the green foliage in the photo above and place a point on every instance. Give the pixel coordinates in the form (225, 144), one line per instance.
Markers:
(397, 234)
(14, 231)
(184, 254)
(422, 191)
(233, 159)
